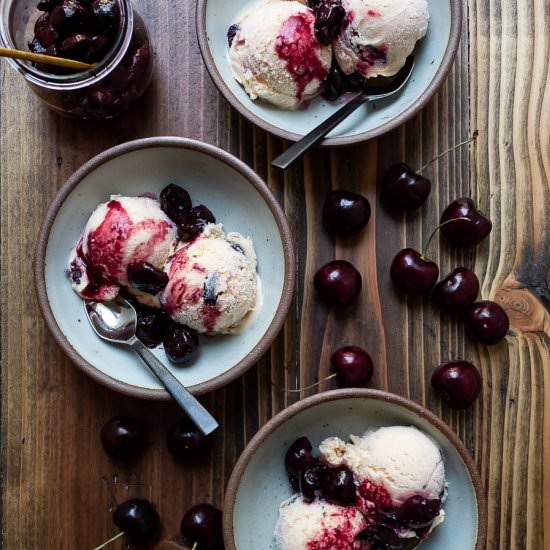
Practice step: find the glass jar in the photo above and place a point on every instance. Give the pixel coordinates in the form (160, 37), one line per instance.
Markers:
(102, 92)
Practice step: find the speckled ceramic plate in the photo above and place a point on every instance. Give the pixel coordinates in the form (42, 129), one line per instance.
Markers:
(434, 57)
(259, 482)
(239, 199)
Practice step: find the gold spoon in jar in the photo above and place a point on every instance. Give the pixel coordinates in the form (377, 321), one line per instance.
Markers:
(46, 59)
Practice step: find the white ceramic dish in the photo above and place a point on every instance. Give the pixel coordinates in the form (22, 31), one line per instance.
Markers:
(239, 199)
(259, 482)
(434, 57)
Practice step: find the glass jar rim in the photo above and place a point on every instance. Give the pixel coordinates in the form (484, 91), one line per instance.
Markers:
(81, 79)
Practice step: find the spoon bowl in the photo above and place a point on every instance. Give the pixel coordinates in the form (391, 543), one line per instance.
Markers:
(116, 322)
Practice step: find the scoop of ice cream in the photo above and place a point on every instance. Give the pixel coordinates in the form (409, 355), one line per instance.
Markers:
(123, 231)
(318, 525)
(212, 282)
(396, 462)
(379, 35)
(274, 53)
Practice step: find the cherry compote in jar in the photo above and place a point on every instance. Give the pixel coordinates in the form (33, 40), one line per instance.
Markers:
(109, 34)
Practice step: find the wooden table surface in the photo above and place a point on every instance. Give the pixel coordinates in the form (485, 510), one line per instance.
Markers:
(57, 483)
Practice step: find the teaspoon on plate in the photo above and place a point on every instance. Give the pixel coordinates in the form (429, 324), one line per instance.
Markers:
(116, 322)
(375, 92)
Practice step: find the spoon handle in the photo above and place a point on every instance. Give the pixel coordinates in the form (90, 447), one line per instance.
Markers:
(295, 151)
(198, 414)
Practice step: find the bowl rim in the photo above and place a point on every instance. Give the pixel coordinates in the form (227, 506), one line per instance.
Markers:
(340, 394)
(259, 185)
(401, 118)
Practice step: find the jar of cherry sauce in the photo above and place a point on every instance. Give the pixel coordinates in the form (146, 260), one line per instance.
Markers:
(108, 33)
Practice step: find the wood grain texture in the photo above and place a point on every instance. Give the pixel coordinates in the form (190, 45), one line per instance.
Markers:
(57, 484)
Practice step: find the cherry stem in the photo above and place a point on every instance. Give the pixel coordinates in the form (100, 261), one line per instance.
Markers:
(446, 152)
(332, 376)
(107, 542)
(434, 232)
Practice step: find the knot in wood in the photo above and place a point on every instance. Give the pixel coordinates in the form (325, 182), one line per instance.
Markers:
(526, 313)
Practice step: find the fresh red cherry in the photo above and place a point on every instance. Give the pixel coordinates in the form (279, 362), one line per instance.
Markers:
(298, 458)
(402, 188)
(412, 273)
(338, 486)
(486, 322)
(418, 512)
(202, 525)
(465, 232)
(138, 519)
(353, 365)
(458, 290)
(123, 438)
(186, 442)
(346, 212)
(180, 343)
(458, 382)
(407, 189)
(338, 283)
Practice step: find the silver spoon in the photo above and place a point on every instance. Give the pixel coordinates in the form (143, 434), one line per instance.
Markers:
(298, 149)
(116, 322)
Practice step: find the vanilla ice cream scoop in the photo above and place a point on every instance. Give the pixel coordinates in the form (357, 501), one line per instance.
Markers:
(212, 282)
(275, 55)
(120, 232)
(401, 461)
(379, 35)
(318, 525)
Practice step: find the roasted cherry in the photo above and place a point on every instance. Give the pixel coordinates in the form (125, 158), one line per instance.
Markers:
(310, 480)
(197, 219)
(334, 84)
(186, 442)
(36, 46)
(47, 5)
(402, 188)
(418, 512)
(458, 290)
(69, 17)
(338, 283)
(123, 438)
(458, 382)
(180, 343)
(353, 365)
(44, 32)
(383, 538)
(298, 458)
(146, 277)
(77, 46)
(138, 519)
(151, 324)
(231, 33)
(338, 485)
(328, 21)
(202, 525)
(176, 202)
(346, 212)
(486, 322)
(106, 15)
(465, 232)
(412, 273)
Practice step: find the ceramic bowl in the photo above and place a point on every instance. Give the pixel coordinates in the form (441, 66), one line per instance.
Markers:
(259, 482)
(239, 199)
(434, 57)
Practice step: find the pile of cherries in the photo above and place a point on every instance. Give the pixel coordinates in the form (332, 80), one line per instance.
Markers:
(124, 438)
(154, 326)
(82, 30)
(337, 485)
(339, 283)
